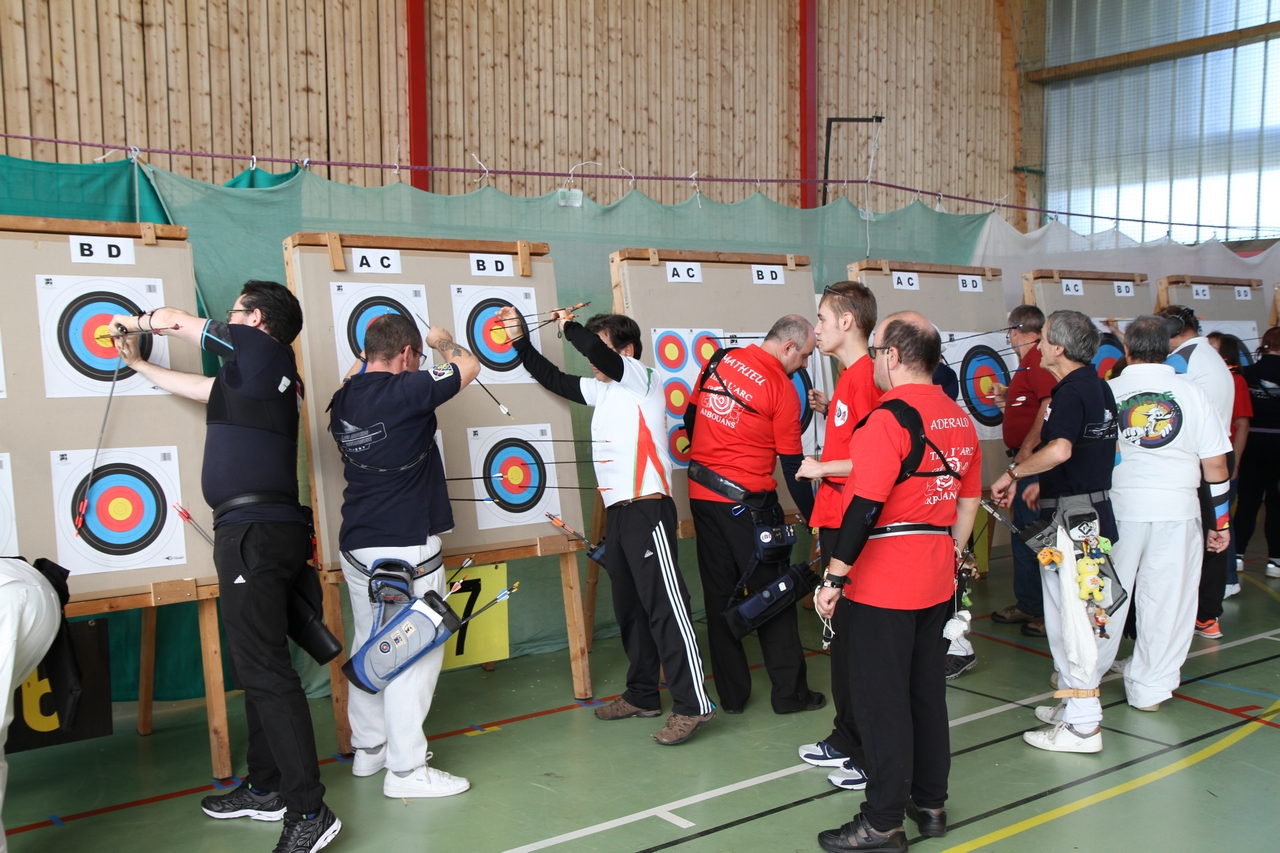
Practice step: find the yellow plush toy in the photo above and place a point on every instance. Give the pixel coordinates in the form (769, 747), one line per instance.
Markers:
(1089, 580)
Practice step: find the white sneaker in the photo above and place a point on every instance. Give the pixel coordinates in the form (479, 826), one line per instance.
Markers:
(1239, 564)
(1064, 738)
(1119, 665)
(1232, 589)
(848, 776)
(367, 763)
(423, 782)
(821, 754)
(1050, 713)
(1273, 570)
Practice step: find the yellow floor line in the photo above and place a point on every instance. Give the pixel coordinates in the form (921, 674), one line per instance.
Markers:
(1261, 585)
(1154, 776)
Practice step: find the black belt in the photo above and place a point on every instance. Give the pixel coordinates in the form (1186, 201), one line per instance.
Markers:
(908, 527)
(420, 570)
(1094, 498)
(252, 499)
(725, 487)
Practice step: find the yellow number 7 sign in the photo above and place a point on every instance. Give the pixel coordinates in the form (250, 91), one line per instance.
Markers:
(484, 639)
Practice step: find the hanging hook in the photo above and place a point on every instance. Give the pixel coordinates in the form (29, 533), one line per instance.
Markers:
(105, 155)
(134, 153)
(253, 162)
(629, 172)
(569, 179)
(306, 163)
(697, 192)
(997, 202)
(482, 166)
(396, 171)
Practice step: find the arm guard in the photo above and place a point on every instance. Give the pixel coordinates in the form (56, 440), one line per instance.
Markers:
(859, 520)
(801, 491)
(604, 359)
(547, 374)
(1220, 498)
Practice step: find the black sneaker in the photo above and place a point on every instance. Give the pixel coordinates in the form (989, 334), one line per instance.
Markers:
(308, 835)
(958, 665)
(243, 802)
(857, 834)
(931, 822)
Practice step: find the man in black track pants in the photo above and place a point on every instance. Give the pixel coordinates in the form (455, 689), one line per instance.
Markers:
(262, 540)
(633, 470)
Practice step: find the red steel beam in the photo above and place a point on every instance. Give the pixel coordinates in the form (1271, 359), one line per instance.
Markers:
(419, 94)
(808, 101)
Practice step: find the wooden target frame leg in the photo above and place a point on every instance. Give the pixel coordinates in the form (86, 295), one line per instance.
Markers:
(147, 670)
(215, 696)
(576, 626)
(589, 591)
(337, 681)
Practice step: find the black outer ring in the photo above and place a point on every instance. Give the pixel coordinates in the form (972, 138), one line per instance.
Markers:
(490, 487)
(152, 533)
(1109, 339)
(806, 411)
(975, 353)
(64, 335)
(479, 350)
(370, 302)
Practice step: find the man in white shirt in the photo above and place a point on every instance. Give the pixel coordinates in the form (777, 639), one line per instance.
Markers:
(1169, 433)
(633, 471)
(1194, 356)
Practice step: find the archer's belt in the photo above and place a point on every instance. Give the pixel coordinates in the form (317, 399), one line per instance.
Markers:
(252, 499)
(908, 528)
(727, 488)
(1094, 498)
(422, 569)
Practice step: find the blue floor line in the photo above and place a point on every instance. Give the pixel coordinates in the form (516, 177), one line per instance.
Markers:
(1233, 687)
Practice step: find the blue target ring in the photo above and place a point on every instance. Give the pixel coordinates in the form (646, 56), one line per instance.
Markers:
(803, 384)
(126, 509)
(515, 475)
(365, 312)
(981, 369)
(488, 337)
(82, 335)
(1110, 350)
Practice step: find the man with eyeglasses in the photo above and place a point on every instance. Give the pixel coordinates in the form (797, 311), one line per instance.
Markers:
(262, 540)
(395, 507)
(1025, 402)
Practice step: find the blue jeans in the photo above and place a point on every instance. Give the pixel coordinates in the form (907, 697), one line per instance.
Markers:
(1026, 568)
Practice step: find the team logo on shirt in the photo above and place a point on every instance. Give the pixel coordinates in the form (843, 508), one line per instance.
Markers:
(841, 413)
(442, 371)
(1150, 420)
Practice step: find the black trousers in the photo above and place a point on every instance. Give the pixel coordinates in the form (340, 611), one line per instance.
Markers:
(256, 566)
(1259, 479)
(726, 543)
(844, 733)
(651, 603)
(898, 660)
(1213, 569)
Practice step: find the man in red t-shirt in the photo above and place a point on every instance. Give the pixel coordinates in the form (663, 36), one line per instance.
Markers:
(893, 572)
(1025, 403)
(846, 317)
(743, 416)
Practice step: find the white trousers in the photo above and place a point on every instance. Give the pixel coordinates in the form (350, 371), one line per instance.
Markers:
(396, 715)
(1159, 563)
(29, 617)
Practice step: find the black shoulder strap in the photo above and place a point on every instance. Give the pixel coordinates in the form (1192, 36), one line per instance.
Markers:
(909, 419)
(712, 369)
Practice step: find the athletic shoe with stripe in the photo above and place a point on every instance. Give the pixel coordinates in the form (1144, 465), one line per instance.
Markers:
(1050, 713)
(821, 754)
(1210, 628)
(309, 834)
(245, 802)
(848, 776)
(1064, 737)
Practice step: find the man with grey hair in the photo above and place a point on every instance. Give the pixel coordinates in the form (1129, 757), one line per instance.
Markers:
(742, 417)
(1169, 433)
(1075, 457)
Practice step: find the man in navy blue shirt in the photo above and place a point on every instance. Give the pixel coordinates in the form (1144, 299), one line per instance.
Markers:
(262, 540)
(395, 507)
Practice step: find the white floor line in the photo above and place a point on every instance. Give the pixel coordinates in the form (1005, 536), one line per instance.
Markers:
(665, 811)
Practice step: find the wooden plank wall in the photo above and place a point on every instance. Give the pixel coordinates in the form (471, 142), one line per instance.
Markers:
(277, 78)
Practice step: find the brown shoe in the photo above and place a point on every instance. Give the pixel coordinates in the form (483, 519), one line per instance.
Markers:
(620, 709)
(680, 728)
(1010, 615)
(1034, 628)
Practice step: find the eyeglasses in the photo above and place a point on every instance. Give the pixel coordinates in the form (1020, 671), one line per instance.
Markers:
(874, 351)
(239, 311)
(423, 358)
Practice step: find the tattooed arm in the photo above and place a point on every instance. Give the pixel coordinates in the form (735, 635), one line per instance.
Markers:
(441, 341)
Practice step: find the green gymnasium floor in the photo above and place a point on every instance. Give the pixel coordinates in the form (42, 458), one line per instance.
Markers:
(546, 775)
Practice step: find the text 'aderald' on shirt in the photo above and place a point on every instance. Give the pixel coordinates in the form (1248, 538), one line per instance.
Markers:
(241, 460)
(1167, 425)
(740, 444)
(917, 570)
(855, 396)
(388, 421)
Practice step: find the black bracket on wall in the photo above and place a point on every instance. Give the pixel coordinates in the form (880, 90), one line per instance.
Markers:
(826, 156)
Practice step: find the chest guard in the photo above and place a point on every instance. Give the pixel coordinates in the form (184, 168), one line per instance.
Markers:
(279, 414)
(405, 627)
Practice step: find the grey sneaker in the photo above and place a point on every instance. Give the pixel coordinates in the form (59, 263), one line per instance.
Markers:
(243, 802)
(680, 728)
(621, 709)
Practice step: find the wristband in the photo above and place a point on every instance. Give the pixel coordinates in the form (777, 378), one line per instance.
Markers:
(834, 581)
(1219, 497)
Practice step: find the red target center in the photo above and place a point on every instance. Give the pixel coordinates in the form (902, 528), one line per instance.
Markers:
(705, 347)
(495, 334)
(984, 383)
(517, 477)
(119, 508)
(96, 336)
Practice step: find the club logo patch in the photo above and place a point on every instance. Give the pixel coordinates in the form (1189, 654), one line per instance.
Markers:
(842, 413)
(442, 371)
(1150, 420)
(384, 647)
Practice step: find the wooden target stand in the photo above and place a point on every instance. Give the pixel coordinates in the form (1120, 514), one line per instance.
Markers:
(203, 591)
(559, 545)
(1215, 298)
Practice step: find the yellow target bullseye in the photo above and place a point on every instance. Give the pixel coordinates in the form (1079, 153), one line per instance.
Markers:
(515, 475)
(120, 509)
(102, 335)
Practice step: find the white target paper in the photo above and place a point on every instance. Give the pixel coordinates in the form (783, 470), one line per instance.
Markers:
(476, 327)
(74, 312)
(976, 393)
(8, 510)
(356, 304)
(512, 488)
(1246, 331)
(130, 522)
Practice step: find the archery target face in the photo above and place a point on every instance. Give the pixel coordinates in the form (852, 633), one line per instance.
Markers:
(8, 511)
(1110, 350)
(678, 358)
(516, 476)
(357, 304)
(128, 522)
(1244, 331)
(676, 392)
(478, 328)
(75, 316)
(670, 350)
(980, 362)
(705, 343)
(678, 446)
